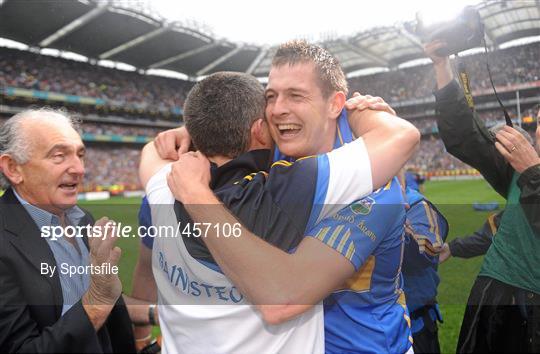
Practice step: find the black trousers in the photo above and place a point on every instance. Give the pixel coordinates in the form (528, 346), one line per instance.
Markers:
(500, 318)
(426, 340)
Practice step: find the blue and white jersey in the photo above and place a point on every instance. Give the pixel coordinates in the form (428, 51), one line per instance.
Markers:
(369, 313)
(413, 180)
(202, 311)
(426, 232)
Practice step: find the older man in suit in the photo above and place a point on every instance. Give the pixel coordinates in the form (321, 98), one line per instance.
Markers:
(42, 307)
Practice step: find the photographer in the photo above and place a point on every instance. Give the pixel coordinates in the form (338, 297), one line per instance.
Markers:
(503, 310)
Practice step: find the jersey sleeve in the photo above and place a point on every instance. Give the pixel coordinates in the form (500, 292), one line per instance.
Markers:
(322, 184)
(161, 199)
(479, 242)
(157, 190)
(427, 228)
(344, 175)
(357, 230)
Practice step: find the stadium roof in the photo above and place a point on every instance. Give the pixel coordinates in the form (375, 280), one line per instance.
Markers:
(104, 31)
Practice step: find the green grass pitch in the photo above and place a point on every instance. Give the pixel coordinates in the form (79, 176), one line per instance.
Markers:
(454, 200)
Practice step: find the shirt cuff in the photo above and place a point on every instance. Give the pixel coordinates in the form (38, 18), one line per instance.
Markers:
(530, 174)
(452, 247)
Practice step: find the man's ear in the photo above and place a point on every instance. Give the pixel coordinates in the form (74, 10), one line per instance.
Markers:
(260, 135)
(337, 102)
(10, 168)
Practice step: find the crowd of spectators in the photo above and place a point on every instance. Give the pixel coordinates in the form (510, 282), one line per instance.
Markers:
(107, 166)
(118, 88)
(112, 164)
(432, 156)
(115, 129)
(150, 93)
(425, 125)
(490, 118)
(395, 86)
(122, 130)
(509, 66)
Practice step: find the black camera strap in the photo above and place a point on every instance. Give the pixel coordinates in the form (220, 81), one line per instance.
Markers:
(506, 115)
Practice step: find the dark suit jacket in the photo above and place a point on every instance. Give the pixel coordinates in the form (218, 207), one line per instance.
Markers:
(31, 303)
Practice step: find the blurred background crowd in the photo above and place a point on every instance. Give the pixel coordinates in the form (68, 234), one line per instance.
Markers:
(135, 97)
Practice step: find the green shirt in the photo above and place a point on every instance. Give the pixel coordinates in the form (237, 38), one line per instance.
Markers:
(514, 256)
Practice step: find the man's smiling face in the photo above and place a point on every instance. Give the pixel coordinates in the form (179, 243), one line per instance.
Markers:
(298, 114)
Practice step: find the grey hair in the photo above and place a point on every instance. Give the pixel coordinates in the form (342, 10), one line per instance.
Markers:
(13, 139)
(495, 129)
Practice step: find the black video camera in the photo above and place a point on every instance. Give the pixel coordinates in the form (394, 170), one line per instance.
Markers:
(464, 32)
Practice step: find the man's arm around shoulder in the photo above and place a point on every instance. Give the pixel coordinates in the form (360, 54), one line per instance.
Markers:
(150, 163)
(281, 285)
(390, 142)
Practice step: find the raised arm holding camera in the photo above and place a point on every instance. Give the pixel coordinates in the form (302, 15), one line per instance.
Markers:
(503, 310)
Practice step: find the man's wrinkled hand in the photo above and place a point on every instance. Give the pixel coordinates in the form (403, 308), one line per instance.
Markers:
(172, 143)
(105, 288)
(189, 175)
(515, 148)
(362, 102)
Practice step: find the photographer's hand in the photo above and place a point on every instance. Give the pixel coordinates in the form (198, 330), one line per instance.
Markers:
(443, 70)
(516, 149)
(105, 288)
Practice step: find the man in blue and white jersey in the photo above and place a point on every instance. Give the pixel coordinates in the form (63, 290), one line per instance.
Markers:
(426, 231)
(306, 119)
(276, 204)
(367, 313)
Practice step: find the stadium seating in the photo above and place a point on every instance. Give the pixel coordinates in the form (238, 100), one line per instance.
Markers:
(28, 78)
(510, 66)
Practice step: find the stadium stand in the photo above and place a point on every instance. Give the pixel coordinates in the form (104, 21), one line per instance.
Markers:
(121, 92)
(140, 96)
(511, 66)
(111, 129)
(120, 163)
